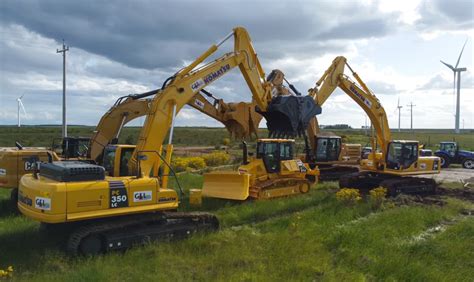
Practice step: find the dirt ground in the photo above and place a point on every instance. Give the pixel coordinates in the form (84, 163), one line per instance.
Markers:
(453, 175)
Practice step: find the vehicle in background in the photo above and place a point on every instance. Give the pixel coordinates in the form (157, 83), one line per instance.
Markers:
(449, 153)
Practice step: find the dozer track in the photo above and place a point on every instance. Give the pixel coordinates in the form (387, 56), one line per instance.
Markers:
(279, 188)
(364, 181)
(124, 232)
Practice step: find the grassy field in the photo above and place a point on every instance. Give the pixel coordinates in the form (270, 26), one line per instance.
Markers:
(308, 237)
(202, 136)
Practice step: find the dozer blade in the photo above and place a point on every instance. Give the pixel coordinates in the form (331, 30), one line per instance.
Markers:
(226, 185)
(288, 116)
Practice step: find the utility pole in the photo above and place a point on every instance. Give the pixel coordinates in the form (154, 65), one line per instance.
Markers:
(64, 50)
(399, 113)
(411, 115)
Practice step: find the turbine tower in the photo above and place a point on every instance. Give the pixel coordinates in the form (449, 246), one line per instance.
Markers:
(457, 71)
(20, 105)
(399, 111)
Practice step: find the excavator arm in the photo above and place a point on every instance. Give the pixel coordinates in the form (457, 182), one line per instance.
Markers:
(185, 84)
(239, 118)
(333, 78)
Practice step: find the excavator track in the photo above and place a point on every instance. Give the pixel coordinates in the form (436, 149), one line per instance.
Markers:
(364, 181)
(334, 172)
(124, 232)
(409, 185)
(279, 188)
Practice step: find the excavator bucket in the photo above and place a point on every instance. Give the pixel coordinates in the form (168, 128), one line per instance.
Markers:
(289, 116)
(241, 120)
(226, 185)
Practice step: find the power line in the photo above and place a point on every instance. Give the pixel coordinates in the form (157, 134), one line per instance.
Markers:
(64, 50)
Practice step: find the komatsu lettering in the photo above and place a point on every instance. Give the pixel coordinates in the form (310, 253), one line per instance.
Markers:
(215, 75)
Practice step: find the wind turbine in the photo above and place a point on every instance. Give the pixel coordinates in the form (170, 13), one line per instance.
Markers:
(20, 105)
(457, 71)
(399, 108)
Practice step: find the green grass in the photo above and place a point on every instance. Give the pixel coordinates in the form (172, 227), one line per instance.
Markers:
(308, 237)
(197, 136)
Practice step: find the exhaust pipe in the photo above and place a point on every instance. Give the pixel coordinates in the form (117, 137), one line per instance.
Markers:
(245, 160)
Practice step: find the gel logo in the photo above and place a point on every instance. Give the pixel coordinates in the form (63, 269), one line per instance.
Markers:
(142, 196)
(197, 84)
(43, 203)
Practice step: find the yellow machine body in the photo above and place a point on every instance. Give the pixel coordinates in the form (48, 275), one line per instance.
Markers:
(259, 180)
(51, 201)
(14, 163)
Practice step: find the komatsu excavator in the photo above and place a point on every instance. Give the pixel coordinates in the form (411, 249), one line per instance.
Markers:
(131, 203)
(396, 162)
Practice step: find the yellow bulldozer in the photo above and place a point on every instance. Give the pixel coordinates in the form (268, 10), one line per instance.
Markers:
(272, 172)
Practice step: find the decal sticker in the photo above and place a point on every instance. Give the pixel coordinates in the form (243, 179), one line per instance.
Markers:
(423, 166)
(197, 84)
(301, 166)
(215, 75)
(30, 163)
(362, 98)
(118, 194)
(25, 200)
(43, 203)
(142, 196)
(198, 103)
(166, 199)
(3, 172)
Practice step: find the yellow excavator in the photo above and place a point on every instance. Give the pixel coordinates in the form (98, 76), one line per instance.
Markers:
(131, 203)
(396, 162)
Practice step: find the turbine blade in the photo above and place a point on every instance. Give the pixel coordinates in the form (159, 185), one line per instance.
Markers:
(460, 54)
(448, 65)
(22, 107)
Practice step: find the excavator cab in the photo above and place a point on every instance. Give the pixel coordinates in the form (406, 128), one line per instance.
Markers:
(116, 158)
(401, 155)
(71, 147)
(328, 149)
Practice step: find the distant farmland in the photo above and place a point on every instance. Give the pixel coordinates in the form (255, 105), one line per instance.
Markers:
(207, 136)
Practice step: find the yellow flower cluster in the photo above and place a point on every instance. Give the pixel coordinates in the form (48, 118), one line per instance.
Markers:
(216, 158)
(212, 159)
(377, 196)
(8, 273)
(378, 193)
(348, 195)
(183, 163)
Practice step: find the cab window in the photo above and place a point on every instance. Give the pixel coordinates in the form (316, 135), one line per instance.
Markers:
(126, 155)
(402, 156)
(109, 157)
(286, 151)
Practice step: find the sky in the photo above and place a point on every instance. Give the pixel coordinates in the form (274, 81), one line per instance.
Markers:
(122, 47)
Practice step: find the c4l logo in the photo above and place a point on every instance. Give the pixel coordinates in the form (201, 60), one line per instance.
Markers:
(43, 203)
